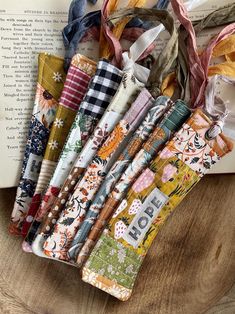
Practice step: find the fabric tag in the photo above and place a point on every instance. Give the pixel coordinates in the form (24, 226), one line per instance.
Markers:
(141, 223)
(33, 167)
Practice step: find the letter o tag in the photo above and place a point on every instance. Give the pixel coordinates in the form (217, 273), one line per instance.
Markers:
(142, 222)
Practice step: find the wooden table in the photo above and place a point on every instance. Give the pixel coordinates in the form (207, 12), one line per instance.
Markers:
(189, 269)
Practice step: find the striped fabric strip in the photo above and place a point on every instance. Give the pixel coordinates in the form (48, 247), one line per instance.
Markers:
(47, 169)
(74, 88)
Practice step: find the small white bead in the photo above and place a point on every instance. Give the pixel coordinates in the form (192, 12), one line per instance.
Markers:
(29, 219)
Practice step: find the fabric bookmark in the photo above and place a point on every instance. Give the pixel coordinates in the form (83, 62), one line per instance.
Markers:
(80, 72)
(159, 189)
(51, 77)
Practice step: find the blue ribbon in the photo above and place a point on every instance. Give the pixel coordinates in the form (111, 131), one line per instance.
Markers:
(74, 32)
(162, 4)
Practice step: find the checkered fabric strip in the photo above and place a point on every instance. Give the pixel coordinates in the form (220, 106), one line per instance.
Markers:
(74, 88)
(101, 89)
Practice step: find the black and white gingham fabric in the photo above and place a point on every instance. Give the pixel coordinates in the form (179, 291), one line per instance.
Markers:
(101, 89)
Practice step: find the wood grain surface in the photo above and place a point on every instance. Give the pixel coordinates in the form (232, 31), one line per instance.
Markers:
(190, 267)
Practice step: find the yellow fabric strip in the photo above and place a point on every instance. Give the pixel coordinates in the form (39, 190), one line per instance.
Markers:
(226, 68)
(50, 67)
(225, 47)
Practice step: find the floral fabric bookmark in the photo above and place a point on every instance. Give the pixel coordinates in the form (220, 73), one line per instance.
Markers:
(116, 259)
(102, 88)
(160, 105)
(77, 80)
(111, 148)
(66, 226)
(51, 77)
(172, 121)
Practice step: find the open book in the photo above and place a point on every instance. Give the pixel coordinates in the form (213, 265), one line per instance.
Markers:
(27, 28)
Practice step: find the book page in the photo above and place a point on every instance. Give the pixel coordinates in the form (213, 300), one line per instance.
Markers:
(29, 27)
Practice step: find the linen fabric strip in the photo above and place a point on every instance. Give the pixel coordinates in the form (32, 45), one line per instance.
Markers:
(76, 84)
(118, 255)
(51, 77)
(75, 209)
(171, 122)
(159, 107)
(104, 85)
(110, 150)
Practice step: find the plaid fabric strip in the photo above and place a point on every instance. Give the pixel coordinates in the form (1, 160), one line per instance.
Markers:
(101, 89)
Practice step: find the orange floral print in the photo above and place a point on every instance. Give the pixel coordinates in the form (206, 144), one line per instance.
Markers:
(117, 137)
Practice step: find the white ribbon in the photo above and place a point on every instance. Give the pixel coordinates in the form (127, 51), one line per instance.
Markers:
(143, 42)
(136, 50)
(191, 5)
(215, 106)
